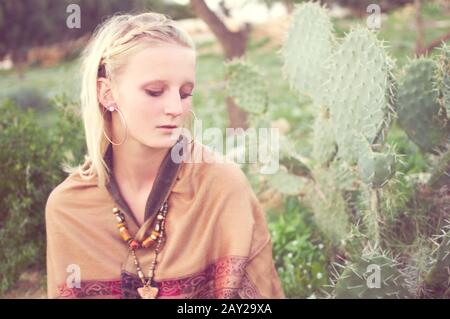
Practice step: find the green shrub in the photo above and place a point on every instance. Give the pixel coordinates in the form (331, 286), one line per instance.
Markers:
(30, 160)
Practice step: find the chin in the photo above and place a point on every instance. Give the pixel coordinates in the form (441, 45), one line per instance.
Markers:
(161, 142)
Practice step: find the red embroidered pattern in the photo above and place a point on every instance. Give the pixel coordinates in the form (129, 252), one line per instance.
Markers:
(224, 279)
(91, 288)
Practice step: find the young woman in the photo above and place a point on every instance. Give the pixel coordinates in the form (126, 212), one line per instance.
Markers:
(135, 221)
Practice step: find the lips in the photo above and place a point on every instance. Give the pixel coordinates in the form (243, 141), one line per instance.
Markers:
(168, 126)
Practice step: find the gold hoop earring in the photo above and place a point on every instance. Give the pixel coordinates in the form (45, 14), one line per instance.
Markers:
(195, 118)
(113, 108)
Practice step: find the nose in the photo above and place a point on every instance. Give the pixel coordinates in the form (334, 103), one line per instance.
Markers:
(174, 106)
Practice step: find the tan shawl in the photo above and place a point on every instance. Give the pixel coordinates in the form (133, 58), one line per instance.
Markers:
(218, 244)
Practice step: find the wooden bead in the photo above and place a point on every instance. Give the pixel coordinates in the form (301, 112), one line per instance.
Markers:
(134, 244)
(120, 225)
(125, 234)
(155, 233)
(148, 242)
(153, 236)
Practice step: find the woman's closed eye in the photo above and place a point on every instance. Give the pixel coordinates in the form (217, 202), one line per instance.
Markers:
(154, 93)
(159, 93)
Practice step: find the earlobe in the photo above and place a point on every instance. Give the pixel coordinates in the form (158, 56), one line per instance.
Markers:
(111, 107)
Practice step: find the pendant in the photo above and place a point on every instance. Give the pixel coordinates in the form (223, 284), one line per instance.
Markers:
(148, 292)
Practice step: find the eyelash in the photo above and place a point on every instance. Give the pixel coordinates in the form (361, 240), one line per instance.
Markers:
(157, 94)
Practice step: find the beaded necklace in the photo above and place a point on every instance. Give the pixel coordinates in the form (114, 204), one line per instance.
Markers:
(149, 290)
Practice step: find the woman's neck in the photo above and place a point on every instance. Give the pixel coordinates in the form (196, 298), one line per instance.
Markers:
(135, 166)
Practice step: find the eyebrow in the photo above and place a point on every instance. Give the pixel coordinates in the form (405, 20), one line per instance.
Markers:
(165, 82)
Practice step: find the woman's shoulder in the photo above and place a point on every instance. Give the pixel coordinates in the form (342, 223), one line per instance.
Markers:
(215, 169)
(74, 188)
(223, 187)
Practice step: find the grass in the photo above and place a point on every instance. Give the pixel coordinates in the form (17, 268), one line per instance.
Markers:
(51, 81)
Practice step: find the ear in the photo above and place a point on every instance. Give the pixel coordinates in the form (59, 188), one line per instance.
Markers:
(104, 92)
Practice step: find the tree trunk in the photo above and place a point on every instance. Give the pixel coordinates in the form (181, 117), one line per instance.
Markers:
(420, 41)
(289, 6)
(233, 45)
(19, 59)
(434, 44)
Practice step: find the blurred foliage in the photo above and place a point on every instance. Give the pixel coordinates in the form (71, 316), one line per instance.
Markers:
(27, 23)
(30, 168)
(360, 6)
(172, 9)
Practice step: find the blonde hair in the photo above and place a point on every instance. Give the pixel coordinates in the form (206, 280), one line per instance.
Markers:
(107, 51)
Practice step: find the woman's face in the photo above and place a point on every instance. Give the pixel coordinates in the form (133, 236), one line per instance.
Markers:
(154, 89)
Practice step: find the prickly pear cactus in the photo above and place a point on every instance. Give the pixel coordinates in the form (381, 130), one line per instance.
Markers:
(304, 53)
(352, 80)
(246, 85)
(437, 281)
(374, 276)
(326, 197)
(440, 175)
(444, 77)
(376, 168)
(358, 91)
(324, 145)
(286, 183)
(419, 112)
